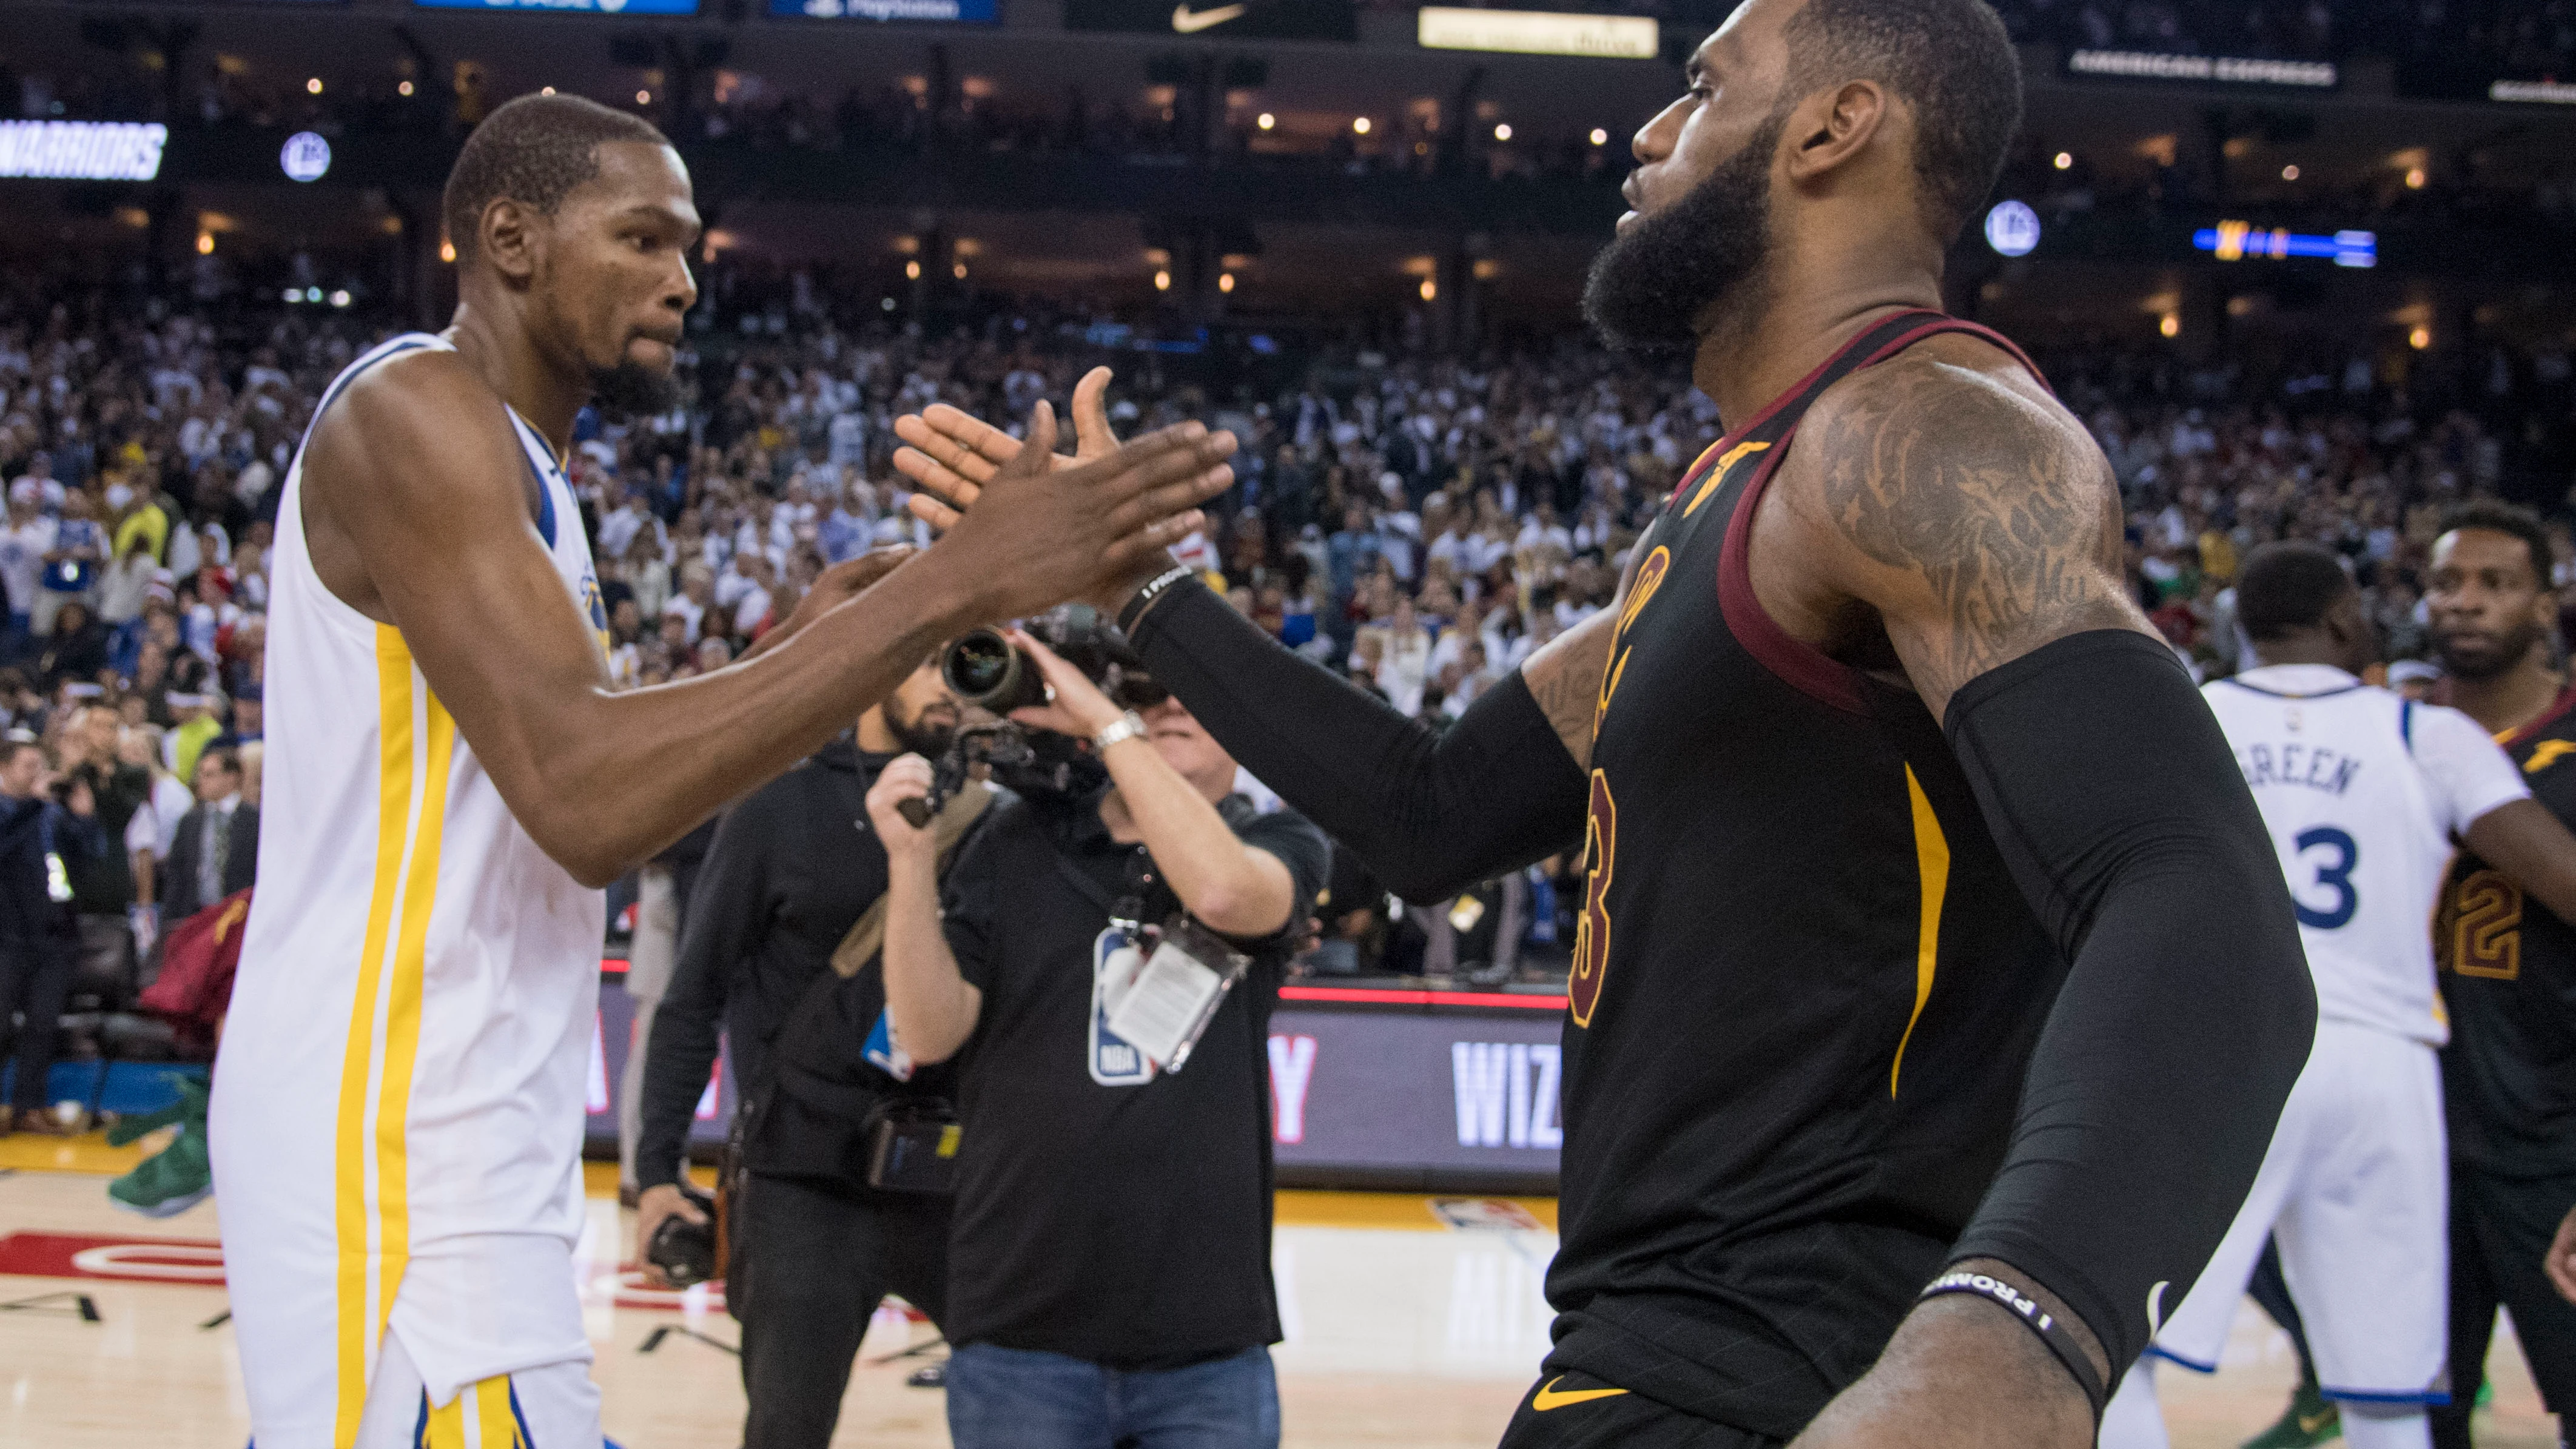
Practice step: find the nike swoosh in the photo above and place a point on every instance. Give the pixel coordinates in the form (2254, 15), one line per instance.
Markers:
(1548, 1398)
(1191, 22)
(2311, 1423)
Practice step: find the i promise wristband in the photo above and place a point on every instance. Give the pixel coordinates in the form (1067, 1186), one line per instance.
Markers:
(1145, 597)
(2056, 1335)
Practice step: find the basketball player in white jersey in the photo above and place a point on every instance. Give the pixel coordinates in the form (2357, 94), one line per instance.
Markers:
(397, 1107)
(2365, 793)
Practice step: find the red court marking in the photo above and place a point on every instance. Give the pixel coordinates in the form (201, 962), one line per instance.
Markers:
(196, 1261)
(1422, 998)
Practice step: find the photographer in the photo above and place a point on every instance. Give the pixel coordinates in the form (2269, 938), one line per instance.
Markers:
(46, 827)
(792, 869)
(1110, 1263)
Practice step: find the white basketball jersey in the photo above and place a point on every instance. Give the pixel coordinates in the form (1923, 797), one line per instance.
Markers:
(398, 1104)
(2364, 792)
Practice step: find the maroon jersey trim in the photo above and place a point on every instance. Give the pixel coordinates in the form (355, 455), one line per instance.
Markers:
(1809, 670)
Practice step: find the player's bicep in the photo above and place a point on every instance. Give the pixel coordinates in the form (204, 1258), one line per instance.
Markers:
(428, 482)
(1972, 518)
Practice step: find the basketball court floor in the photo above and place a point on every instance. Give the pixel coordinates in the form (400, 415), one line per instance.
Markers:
(1410, 1321)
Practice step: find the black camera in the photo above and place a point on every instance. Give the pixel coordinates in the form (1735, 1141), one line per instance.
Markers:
(985, 669)
(683, 1250)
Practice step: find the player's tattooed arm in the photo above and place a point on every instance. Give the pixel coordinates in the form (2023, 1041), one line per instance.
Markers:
(1973, 516)
(1565, 678)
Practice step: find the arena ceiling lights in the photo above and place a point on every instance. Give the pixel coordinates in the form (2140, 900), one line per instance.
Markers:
(2221, 70)
(1539, 32)
(82, 150)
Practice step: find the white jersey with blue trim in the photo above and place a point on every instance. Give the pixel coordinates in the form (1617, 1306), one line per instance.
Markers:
(2365, 792)
(396, 1127)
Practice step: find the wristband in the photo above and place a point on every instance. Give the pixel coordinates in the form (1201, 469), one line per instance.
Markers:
(2060, 1340)
(1145, 597)
(1127, 726)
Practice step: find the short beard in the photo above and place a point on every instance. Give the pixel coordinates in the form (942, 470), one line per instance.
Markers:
(919, 735)
(631, 389)
(1654, 286)
(2516, 648)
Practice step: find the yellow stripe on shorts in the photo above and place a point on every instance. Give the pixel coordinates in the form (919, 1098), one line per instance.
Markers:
(479, 1417)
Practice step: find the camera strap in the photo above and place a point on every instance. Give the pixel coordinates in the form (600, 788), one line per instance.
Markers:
(867, 935)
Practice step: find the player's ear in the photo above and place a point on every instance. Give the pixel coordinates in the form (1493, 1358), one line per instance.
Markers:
(1833, 126)
(508, 238)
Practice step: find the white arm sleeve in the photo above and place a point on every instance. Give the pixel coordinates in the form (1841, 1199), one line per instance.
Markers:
(2470, 773)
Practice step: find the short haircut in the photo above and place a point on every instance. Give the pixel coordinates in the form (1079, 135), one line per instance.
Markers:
(533, 150)
(1948, 60)
(2288, 586)
(226, 758)
(2500, 517)
(11, 749)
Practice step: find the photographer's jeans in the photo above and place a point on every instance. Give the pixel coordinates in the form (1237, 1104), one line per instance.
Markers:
(1012, 1398)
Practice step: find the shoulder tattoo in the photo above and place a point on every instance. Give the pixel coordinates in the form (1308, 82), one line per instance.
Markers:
(2006, 515)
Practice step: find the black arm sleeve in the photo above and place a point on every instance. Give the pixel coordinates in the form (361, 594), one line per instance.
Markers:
(2187, 1011)
(1429, 811)
(718, 919)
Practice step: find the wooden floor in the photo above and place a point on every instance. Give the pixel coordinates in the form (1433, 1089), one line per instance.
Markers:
(1400, 1331)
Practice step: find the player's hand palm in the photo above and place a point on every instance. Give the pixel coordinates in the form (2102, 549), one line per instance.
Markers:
(1046, 530)
(950, 454)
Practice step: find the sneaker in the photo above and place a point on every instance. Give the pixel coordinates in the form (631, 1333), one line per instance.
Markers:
(2310, 1420)
(179, 1176)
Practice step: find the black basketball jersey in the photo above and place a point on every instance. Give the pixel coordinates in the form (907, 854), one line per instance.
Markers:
(1804, 992)
(2508, 973)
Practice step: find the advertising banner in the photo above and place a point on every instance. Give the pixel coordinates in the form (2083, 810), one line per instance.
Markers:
(1359, 1097)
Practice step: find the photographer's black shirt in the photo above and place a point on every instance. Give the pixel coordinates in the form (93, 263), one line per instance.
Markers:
(1127, 1226)
(792, 867)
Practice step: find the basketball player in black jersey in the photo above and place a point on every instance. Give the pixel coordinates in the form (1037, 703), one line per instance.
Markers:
(1931, 935)
(2508, 970)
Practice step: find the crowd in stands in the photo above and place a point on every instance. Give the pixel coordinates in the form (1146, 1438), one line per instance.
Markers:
(1419, 522)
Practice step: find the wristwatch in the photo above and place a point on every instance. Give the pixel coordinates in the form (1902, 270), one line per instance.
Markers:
(1128, 726)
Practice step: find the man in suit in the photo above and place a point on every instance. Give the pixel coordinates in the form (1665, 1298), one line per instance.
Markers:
(217, 852)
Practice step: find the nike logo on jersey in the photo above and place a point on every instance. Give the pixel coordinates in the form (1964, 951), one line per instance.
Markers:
(2548, 753)
(1191, 22)
(1548, 1398)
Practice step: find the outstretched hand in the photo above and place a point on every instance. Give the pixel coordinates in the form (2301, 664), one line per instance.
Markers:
(950, 454)
(1049, 529)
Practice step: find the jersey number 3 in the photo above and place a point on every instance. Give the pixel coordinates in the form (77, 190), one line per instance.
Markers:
(1592, 930)
(2333, 874)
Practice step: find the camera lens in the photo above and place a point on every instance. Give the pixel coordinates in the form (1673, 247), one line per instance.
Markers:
(985, 670)
(978, 664)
